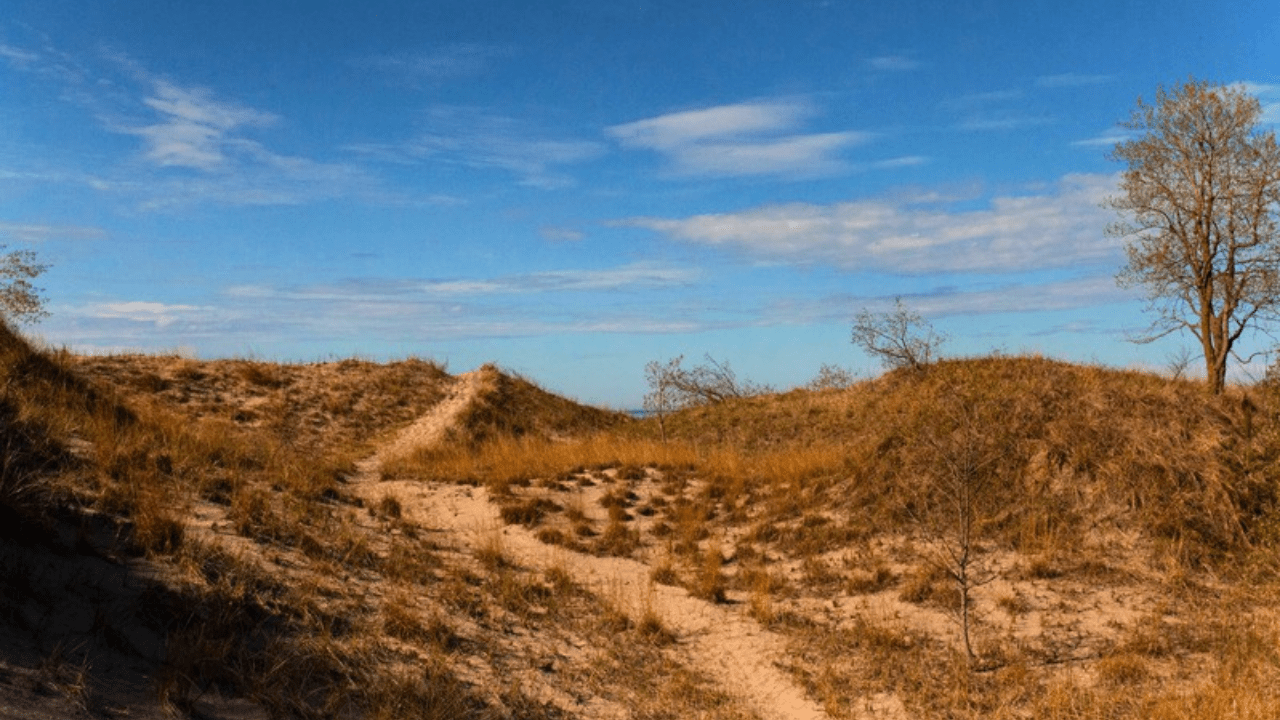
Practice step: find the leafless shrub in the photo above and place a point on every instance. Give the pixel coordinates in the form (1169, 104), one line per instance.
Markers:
(831, 377)
(960, 496)
(673, 386)
(1178, 362)
(899, 339)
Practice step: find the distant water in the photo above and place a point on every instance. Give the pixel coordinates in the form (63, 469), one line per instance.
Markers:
(640, 414)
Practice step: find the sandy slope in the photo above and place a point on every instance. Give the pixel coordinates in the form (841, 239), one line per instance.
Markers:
(719, 640)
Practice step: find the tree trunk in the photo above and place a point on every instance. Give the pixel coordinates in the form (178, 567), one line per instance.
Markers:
(1216, 346)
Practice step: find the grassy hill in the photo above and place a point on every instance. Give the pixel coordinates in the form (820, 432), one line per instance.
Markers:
(223, 539)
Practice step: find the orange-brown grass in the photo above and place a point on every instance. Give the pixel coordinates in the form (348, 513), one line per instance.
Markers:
(509, 406)
(179, 456)
(1189, 469)
(313, 405)
(505, 460)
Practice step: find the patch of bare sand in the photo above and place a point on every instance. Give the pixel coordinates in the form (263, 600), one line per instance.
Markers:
(719, 641)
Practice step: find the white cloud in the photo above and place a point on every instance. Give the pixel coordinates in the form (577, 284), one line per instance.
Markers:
(636, 276)
(1107, 139)
(1265, 93)
(679, 129)
(160, 314)
(1061, 226)
(522, 305)
(640, 275)
(795, 155)
(188, 127)
(633, 276)
(196, 130)
(741, 139)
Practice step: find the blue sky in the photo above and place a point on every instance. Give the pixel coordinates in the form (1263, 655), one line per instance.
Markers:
(572, 189)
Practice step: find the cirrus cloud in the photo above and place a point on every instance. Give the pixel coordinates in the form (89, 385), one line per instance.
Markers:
(743, 139)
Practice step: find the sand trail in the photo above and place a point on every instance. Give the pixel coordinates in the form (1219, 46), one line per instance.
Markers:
(719, 640)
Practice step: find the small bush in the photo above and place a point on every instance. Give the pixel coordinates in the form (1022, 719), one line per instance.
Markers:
(618, 540)
(865, 582)
(529, 512)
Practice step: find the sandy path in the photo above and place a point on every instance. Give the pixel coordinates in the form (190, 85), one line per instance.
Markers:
(720, 641)
(428, 429)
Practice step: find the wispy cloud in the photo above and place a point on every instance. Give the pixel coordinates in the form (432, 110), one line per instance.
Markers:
(1072, 80)
(196, 146)
(996, 110)
(560, 234)
(755, 138)
(1108, 138)
(984, 299)
(635, 276)
(196, 130)
(1059, 226)
(1003, 121)
(384, 309)
(18, 56)
(36, 233)
(1069, 294)
(161, 315)
(471, 138)
(980, 99)
(458, 60)
(893, 63)
(1268, 95)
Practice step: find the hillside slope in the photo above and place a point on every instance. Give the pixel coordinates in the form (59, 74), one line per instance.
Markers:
(228, 539)
(1119, 534)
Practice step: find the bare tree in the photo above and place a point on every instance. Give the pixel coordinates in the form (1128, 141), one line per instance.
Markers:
(661, 398)
(960, 494)
(20, 301)
(673, 386)
(898, 339)
(1198, 204)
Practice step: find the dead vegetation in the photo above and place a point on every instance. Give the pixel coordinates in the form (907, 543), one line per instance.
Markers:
(1054, 509)
(195, 523)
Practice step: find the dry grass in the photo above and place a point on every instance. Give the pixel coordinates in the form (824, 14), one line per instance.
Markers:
(1132, 536)
(505, 461)
(802, 475)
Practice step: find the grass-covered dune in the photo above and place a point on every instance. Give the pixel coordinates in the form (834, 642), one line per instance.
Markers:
(1000, 537)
